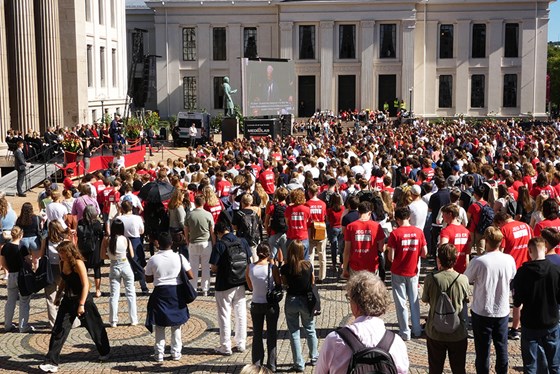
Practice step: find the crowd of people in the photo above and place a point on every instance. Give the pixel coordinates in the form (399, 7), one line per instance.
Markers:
(477, 202)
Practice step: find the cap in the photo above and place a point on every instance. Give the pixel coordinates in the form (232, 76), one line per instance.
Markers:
(415, 190)
(456, 167)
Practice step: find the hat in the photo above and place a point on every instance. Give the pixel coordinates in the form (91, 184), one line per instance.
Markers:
(457, 167)
(415, 190)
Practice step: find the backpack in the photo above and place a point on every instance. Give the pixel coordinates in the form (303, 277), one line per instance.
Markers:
(491, 194)
(446, 319)
(369, 360)
(249, 228)
(486, 217)
(235, 259)
(86, 238)
(278, 219)
(511, 207)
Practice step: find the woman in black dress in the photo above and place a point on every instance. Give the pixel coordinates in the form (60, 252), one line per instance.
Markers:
(75, 301)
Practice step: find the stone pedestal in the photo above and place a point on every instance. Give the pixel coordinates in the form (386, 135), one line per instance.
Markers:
(230, 129)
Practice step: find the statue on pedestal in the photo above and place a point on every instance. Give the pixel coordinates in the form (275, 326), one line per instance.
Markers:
(228, 101)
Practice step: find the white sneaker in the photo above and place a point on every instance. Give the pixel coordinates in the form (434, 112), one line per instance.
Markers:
(48, 368)
(240, 348)
(113, 324)
(223, 351)
(176, 357)
(158, 358)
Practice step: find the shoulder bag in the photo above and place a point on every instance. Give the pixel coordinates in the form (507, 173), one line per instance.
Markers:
(185, 290)
(313, 298)
(274, 294)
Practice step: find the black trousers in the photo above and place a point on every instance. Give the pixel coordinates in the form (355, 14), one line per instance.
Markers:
(91, 320)
(20, 179)
(437, 350)
(260, 312)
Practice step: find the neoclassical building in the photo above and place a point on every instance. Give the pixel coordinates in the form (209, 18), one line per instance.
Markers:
(62, 62)
(442, 57)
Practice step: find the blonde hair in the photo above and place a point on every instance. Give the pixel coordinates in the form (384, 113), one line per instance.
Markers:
(176, 199)
(210, 196)
(493, 237)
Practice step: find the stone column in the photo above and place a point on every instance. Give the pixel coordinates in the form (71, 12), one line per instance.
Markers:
(407, 72)
(286, 40)
(327, 79)
(4, 92)
(50, 60)
(26, 103)
(366, 29)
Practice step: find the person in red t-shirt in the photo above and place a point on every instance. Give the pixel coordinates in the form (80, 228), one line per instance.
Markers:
(318, 213)
(405, 246)
(363, 241)
(456, 234)
(67, 182)
(223, 186)
(542, 186)
(335, 210)
(267, 179)
(473, 215)
(550, 213)
(297, 217)
(212, 203)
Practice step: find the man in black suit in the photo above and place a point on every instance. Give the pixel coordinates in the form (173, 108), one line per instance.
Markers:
(20, 165)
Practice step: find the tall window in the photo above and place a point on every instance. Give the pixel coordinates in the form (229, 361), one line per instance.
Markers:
(89, 65)
(189, 93)
(112, 11)
(219, 43)
(137, 46)
(510, 90)
(347, 41)
(307, 42)
(88, 10)
(102, 66)
(250, 42)
(511, 45)
(218, 93)
(445, 41)
(388, 40)
(114, 67)
(478, 40)
(189, 44)
(101, 6)
(445, 91)
(477, 91)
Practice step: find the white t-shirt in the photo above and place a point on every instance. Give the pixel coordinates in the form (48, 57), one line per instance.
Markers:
(418, 213)
(491, 274)
(56, 212)
(164, 266)
(133, 225)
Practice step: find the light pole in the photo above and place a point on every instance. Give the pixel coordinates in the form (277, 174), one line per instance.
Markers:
(410, 102)
(102, 113)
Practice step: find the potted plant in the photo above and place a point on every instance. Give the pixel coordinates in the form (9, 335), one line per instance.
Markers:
(71, 144)
(132, 130)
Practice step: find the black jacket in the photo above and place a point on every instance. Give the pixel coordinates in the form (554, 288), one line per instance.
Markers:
(19, 158)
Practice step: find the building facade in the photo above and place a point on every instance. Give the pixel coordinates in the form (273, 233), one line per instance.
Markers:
(62, 62)
(442, 57)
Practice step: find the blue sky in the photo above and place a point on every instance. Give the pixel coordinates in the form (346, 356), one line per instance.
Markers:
(554, 23)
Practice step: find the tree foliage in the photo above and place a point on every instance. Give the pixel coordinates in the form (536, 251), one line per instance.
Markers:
(553, 70)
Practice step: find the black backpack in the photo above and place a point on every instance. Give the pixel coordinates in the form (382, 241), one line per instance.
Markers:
(486, 217)
(235, 258)
(278, 219)
(369, 360)
(87, 240)
(249, 227)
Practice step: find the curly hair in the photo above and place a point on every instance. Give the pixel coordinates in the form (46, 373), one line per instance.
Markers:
(369, 293)
(297, 197)
(3, 207)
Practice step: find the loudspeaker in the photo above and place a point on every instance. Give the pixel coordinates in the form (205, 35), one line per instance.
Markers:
(230, 129)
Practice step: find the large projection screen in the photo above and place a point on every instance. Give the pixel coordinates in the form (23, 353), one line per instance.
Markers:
(268, 87)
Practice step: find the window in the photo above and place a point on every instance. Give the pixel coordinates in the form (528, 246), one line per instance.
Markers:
(250, 42)
(477, 91)
(219, 43)
(307, 42)
(511, 45)
(388, 40)
(101, 4)
(102, 66)
(189, 44)
(112, 10)
(89, 57)
(189, 93)
(478, 40)
(510, 90)
(88, 10)
(445, 91)
(218, 93)
(114, 67)
(446, 41)
(137, 46)
(347, 41)
(94, 115)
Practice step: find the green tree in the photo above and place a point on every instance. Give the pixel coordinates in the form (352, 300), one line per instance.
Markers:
(553, 71)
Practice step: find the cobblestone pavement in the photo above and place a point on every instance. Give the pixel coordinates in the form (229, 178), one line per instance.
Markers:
(132, 346)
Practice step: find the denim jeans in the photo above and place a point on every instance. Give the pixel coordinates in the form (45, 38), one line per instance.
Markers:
(337, 245)
(121, 270)
(278, 242)
(486, 329)
(532, 341)
(30, 242)
(296, 307)
(10, 306)
(406, 288)
(305, 247)
(260, 313)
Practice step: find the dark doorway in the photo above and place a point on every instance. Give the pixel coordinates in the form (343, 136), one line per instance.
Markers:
(306, 95)
(387, 92)
(346, 92)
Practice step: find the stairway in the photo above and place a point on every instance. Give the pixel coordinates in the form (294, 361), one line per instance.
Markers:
(35, 175)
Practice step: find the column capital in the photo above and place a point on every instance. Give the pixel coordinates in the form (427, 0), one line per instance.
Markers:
(286, 26)
(369, 24)
(408, 24)
(327, 24)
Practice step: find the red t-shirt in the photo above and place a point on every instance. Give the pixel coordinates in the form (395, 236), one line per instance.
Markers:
(276, 155)
(513, 192)
(406, 241)
(112, 197)
(547, 223)
(516, 238)
(214, 210)
(223, 187)
(546, 190)
(458, 235)
(297, 219)
(68, 184)
(529, 181)
(317, 210)
(516, 185)
(335, 218)
(474, 211)
(267, 181)
(363, 237)
(430, 172)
